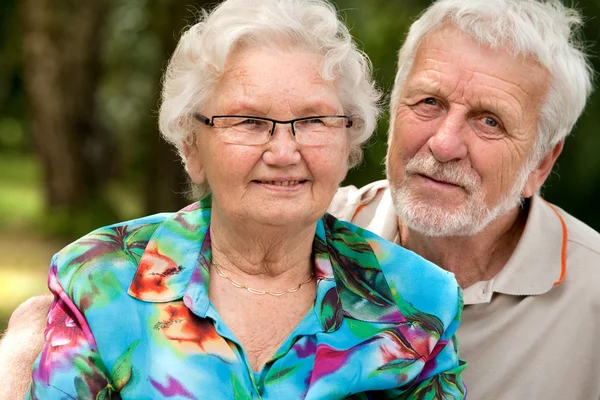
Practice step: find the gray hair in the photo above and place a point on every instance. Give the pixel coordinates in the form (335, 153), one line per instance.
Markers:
(199, 60)
(545, 30)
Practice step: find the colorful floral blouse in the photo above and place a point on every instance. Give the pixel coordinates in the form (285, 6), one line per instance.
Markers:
(132, 320)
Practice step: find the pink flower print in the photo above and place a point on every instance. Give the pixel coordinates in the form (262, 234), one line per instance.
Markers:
(64, 338)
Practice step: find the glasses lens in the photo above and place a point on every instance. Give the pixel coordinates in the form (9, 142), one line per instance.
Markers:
(243, 130)
(320, 130)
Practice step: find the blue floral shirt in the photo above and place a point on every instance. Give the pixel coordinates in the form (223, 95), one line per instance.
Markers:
(132, 319)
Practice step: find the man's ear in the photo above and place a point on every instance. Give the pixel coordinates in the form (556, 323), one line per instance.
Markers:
(193, 163)
(538, 176)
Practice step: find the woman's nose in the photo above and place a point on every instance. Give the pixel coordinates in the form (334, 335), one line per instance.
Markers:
(283, 148)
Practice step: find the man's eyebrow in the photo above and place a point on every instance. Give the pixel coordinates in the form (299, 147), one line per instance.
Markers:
(421, 86)
(502, 108)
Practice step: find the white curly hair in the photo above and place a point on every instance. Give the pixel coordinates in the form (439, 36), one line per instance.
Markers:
(313, 25)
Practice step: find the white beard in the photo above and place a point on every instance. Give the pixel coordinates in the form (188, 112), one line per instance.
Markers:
(470, 218)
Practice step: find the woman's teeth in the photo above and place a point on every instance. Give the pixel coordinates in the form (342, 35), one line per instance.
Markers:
(282, 183)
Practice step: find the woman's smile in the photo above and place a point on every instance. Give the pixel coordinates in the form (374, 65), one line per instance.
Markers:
(287, 185)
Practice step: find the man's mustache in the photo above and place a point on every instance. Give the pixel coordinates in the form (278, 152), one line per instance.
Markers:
(452, 172)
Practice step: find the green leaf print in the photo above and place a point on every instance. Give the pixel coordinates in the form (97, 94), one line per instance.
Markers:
(82, 389)
(108, 393)
(122, 370)
(239, 392)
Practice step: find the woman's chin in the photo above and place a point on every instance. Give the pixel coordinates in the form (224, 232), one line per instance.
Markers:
(283, 220)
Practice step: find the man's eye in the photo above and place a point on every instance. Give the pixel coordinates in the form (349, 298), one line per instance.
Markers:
(489, 121)
(427, 107)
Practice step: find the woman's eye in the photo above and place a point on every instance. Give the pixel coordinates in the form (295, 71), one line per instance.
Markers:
(250, 124)
(311, 123)
(253, 124)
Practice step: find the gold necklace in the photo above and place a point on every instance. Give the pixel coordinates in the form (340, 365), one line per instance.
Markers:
(261, 292)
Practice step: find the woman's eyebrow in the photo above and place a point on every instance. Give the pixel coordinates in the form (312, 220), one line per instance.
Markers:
(318, 108)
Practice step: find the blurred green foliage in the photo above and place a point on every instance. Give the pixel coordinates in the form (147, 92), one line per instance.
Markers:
(132, 59)
(137, 41)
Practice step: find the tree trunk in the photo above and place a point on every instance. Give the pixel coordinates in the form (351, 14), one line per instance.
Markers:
(62, 63)
(166, 181)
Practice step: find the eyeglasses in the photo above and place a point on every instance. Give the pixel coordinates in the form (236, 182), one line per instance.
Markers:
(248, 130)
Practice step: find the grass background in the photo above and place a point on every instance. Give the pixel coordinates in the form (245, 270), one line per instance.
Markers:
(26, 246)
(25, 250)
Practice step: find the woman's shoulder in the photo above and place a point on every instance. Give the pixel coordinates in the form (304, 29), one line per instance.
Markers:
(412, 279)
(106, 254)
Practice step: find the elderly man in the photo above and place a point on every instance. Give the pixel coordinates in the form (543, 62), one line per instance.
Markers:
(486, 92)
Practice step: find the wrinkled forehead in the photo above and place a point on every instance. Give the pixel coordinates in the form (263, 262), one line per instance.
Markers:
(259, 79)
(489, 35)
(451, 57)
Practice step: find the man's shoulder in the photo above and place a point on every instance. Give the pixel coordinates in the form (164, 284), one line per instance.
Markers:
(370, 207)
(582, 242)
(582, 272)
(581, 235)
(348, 198)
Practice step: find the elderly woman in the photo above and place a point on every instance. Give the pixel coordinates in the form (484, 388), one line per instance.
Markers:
(254, 292)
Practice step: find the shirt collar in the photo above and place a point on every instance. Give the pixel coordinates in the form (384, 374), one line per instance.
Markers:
(171, 255)
(537, 263)
(175, 265)
(327, 306)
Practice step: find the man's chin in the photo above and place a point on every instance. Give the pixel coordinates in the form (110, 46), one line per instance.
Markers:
(425, 228)
(434, 221)
(429, 223)
(438, 218)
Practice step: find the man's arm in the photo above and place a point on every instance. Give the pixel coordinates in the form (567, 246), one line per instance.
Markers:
(20, 346)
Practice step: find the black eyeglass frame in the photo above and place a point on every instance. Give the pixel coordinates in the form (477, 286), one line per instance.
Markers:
(210, 121)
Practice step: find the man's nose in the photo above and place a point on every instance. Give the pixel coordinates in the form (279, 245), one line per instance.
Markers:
(448, 142)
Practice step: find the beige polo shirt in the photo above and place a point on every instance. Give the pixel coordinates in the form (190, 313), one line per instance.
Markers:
(533, 331)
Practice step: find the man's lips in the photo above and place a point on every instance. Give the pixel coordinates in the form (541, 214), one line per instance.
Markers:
(438, 181)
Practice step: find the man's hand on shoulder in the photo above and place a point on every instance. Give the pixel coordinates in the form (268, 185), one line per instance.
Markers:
(21, 344)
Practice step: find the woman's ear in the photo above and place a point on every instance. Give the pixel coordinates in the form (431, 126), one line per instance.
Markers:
(193, 163)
